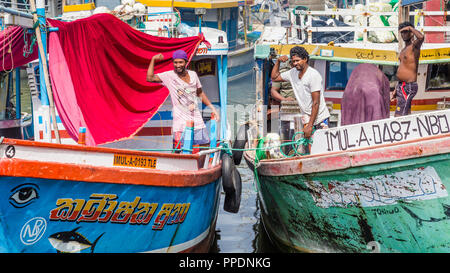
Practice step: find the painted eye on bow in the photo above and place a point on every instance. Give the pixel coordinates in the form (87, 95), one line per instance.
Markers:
(23, 195)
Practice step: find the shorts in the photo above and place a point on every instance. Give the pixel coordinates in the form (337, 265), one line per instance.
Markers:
(201, 137)
(405, 92)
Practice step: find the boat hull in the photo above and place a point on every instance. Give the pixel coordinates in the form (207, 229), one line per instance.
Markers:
(48, 208)
(392, 206)
(240, 63)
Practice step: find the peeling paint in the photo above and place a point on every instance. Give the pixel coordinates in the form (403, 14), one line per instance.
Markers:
(418, 184)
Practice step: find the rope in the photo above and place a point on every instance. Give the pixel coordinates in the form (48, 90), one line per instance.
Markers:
(179, 141)
(227, 149)
(27, 51)
(178, 16)
(9, 50)
(294, 143)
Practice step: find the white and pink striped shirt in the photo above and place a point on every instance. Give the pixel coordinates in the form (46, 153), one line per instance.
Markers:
(184, 99)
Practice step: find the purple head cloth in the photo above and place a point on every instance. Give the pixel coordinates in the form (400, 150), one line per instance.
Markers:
(366, 96)
(180, 54)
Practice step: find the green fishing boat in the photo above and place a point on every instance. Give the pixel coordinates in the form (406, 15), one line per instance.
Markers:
(389, 199)
(375, 186)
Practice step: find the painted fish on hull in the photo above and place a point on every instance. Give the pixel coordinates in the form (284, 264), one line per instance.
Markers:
(71, 241)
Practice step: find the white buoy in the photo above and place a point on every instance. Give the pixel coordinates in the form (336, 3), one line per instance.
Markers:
(128, 2)
(139, 8)
(273, 143)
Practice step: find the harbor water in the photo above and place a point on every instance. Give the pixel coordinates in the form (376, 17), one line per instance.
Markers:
(242, 232)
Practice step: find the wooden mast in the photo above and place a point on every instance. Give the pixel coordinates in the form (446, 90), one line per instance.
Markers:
(43, 55)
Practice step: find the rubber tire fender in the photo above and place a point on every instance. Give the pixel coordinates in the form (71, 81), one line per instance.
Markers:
(239, 143)
(232, 201)
(227, 174)
(232, 184)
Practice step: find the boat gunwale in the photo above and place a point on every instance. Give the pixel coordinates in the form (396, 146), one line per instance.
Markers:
(96, 149)
(114, 175)
(16, 167)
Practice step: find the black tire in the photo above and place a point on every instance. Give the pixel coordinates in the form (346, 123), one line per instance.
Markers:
(239, 143)
(227, 173)
(233, 200)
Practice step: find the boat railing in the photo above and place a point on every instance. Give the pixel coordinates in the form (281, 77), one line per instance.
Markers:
(163, 23)
(23, 7)
(17, 6)
(215, 157)
(307, 16)
(10, 16)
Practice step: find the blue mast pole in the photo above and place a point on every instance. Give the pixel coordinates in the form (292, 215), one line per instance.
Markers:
(219, 75)
(223, 98)
(40, 10)
(47, 102)
(18, 99)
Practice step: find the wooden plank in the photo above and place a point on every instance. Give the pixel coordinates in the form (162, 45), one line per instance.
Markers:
(343, 52)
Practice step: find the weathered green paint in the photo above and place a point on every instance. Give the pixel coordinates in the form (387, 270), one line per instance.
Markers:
(292, 217)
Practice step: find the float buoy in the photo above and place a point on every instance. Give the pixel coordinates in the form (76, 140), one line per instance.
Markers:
(232, 184)
(239, 143)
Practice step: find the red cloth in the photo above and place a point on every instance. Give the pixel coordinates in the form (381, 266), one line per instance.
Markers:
(98, 66)
(13, 35)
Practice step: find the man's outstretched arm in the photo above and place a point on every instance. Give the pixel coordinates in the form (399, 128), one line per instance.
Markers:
(151, 77)
(276, 75)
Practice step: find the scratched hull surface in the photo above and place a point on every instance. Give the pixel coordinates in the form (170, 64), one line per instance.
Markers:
(125, 218)
(396, 205)
(318, 213)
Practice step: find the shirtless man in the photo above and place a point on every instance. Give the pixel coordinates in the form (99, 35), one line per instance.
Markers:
(406, 87)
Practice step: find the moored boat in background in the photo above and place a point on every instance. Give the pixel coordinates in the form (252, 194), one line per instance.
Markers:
(175, 18)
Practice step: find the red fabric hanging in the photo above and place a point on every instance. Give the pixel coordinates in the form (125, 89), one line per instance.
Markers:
(98, 67)
(14, 36)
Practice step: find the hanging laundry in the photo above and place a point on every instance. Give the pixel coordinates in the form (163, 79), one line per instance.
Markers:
(366, 96)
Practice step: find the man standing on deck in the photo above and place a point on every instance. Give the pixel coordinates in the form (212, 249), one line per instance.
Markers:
(307, 85)
(407, 87)
(184, 88)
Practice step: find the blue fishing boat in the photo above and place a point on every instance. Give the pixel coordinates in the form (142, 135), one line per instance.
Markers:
(222, 15)
(117, 201)
(64, 196)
